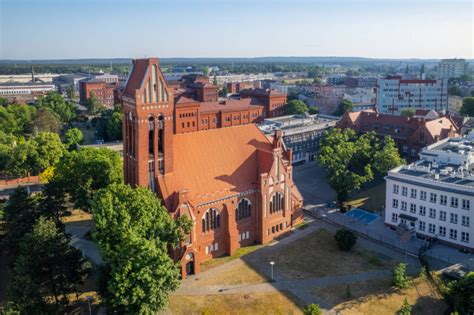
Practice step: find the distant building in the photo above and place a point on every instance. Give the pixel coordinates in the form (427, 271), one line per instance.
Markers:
(102, 85)
(410, 134)
(454, 104)
(433, 198)
(360, 82)
(24, 91)
(395, 94)
(301, 133)
(361, 98)
(283, 88)
(63, 82)
(451, 68)
(336, 79)
(236, 87)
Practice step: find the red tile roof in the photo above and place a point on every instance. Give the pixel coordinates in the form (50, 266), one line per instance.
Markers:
(231, 105)
(215, 163)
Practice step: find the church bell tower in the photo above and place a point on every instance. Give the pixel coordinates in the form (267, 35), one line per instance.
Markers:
(148, 108)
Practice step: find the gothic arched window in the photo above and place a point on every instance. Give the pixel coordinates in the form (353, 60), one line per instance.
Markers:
(211, 220)
(276, 203)
(243, 210)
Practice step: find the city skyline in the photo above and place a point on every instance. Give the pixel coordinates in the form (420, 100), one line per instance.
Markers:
(383, 30)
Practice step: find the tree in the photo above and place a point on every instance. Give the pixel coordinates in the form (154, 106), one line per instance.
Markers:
(460, 294)
(205, 70)
(387, 158)
(345, 239)
(214, 81)
(313, 110)
(345, 106)
(66, 110)
(354, 160)
(454, 90)
(399, 279)
(15, 118)
(408, 112)
(46, 266)
(317, 80)
(312, 309)
(467, 108)
(4, 101)
(296, 107)
(71, 92)
(109, 126)
(49, 148)
(74, 137)
(134, 234)
(406, 308)
(81, 173)
(224, 91)
(94, 105)
(45, 119)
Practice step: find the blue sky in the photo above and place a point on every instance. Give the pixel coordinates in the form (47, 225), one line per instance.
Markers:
(55, 29)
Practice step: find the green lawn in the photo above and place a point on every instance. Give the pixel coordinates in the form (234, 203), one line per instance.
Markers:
(224, 259)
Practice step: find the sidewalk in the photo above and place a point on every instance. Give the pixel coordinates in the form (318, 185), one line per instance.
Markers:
(440, 255)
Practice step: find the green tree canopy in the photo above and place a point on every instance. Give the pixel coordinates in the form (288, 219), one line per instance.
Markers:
(66, 110)
(81, 173)
(454, 90)
(134, 234)
(74, 137)
(46, 266)
(45, 119)
(345, 106)
(408, 112)
(109, 125)
(467, 107)
(94, 105)
(354, 160)
(296, 107)
(460, 294)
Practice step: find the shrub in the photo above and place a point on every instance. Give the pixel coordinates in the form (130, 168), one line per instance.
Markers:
(406, 308)
(345, 239)
(400, 280)
(312, 309)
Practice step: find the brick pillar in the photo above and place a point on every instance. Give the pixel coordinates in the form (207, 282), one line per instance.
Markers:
(231, 228)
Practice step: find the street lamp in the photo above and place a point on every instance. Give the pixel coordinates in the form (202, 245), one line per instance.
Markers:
(271, 264)
(88, 298)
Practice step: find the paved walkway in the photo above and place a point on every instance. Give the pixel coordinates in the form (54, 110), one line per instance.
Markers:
(89, 249)
(298, 287)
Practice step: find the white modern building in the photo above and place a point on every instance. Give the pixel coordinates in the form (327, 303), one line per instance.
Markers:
(301, 133)
(395, 94)
(451, 68)
(25, 90)
(434, 197)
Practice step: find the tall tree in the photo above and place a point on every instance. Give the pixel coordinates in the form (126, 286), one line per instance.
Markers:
(94, 105)
(74, 137)
(66, 110)
(81, 173)
(467, 107)
(387, 158)
(460, 294)
(408, 112)
(134, 234)
(345, 106)
(45, 119)
(48, 265)
(296, 107)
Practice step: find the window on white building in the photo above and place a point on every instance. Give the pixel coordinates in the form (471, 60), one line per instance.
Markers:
(404, 206)
(465, 220)
(422, 195)
(432, 213)
(453, 234)
(422, 210)
(395, 189)
(421, 225)
(466, 204)
(404, 191)
(442, 231)
(432, 228)
(465, 237)
(442, 215)
(412, 207)
(453, 218)
(394, 217)
(433, 197)
(413, 193)
(454, 202)
(443, 199)
(395, 203)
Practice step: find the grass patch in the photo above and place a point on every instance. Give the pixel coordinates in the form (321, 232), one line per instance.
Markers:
(317, 255)
(224, 259)
(303, 225)
(254, 303)
(239, 274)
(373, 298)
(371, 199)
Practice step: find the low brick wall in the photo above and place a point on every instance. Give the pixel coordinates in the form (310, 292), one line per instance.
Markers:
(21, 180)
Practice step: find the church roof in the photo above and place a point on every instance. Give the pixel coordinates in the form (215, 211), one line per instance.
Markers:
(216, 163)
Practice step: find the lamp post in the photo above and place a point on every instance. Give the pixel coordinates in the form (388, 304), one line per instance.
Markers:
(88, 298)
(271, 264)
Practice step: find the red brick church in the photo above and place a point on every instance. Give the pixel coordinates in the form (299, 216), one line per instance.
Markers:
(235, 183)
